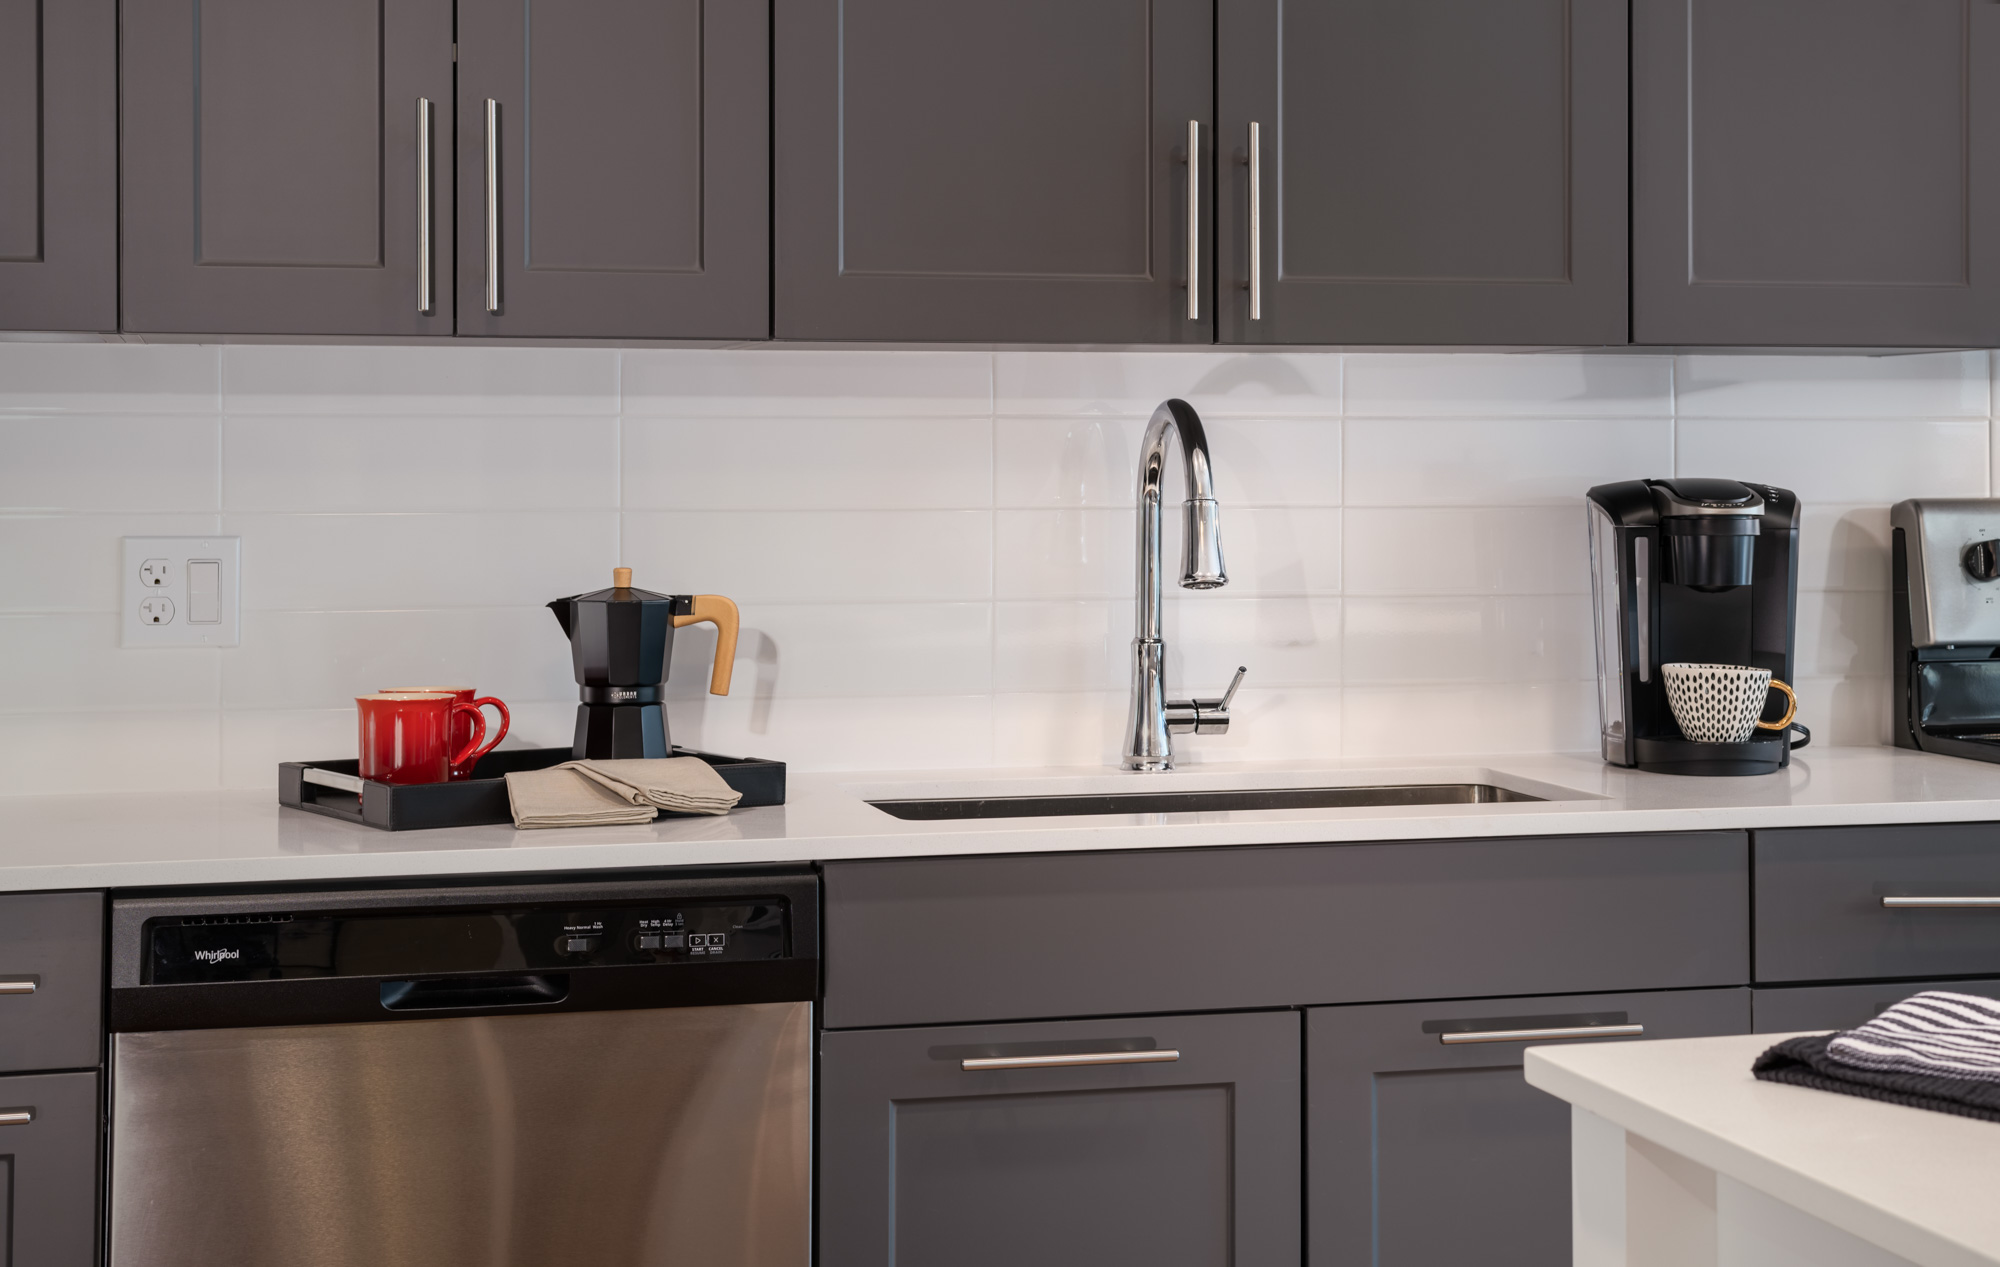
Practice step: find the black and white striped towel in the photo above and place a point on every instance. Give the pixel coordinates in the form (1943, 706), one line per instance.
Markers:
(1936, 1032)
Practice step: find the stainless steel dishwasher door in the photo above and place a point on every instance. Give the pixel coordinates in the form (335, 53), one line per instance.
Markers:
(599, 1139)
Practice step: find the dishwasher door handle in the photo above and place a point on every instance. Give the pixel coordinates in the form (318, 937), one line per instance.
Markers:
(511, 990)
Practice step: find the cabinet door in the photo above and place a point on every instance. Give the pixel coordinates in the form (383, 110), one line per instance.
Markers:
(51, 982)
(1187, 1162)
(957, 169)
(1430, 171)
(1816, 172)
(58, 165)
(632, 139)
(1794, 1009)
(1421, 1146)
(271, 166)
(48, 1169)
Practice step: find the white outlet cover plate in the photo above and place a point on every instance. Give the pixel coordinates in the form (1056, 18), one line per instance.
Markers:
(226, 631)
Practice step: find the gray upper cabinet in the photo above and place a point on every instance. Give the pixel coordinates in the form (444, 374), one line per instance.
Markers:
(1816, 172)
(963, 170)
(632, 140)
(270, 158)
(1436, 171)
(1423, 1149)
(58, 165)
(1188, 1162)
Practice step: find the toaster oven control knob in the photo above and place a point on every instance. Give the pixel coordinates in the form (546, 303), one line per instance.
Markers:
(1982, 560)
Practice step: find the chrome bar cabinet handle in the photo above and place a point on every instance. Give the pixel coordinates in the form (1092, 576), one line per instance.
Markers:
(17, 1117)
(1541, 1035)
(424, 206)
(1256, 228)
(1070, 1062)
(1194, 219)
(17, 987)
(1940, 903)
(492, 205)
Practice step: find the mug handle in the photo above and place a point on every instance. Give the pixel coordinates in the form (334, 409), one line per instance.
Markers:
(505, 721)
(472, 749)
(1791, 709)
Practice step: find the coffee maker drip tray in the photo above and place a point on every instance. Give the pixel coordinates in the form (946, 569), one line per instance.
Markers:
(1685, 756)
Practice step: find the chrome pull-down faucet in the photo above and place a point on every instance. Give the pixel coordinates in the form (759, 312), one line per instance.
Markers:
(1153, 716)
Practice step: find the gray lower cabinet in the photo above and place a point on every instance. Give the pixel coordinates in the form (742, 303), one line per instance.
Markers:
(58, 165)
(1794, 1009)
(1446, 172)
(48, 1169)
(1816, 172)
(51, 982)
(1191, 1162)
(271, 166)
(1854, 903)
(1423, 1151)
(632, 141)
(963, 170)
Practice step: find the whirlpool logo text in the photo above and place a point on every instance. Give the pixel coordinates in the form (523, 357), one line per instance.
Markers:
(217, 956)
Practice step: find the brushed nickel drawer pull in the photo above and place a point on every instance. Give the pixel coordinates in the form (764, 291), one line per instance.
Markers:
(424, 206)
(1256, 227)
(1066, 1062)
(1541, 1035)
(16, 1117)
(1194, 220)
(18, 987)
(492, 205)
(1939, 903)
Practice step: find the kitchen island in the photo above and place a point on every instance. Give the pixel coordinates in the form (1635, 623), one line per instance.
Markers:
(1682, 1159)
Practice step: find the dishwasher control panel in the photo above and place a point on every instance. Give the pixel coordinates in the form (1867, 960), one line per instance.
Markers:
(193, 949)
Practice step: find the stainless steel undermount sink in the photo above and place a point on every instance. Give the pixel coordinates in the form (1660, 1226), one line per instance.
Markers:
(1202, 802)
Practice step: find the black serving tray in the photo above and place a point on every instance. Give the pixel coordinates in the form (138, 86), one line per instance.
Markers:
(482, 799)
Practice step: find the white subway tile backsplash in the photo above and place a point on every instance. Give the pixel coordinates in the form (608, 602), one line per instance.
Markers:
(54, 563)
(797, 383)
(365, 379)
(1529, 462)
(373, 562)
(1132, 384)
(932, 549)
(108, 462)
(1841, 460)
(101, 378)
(304, 465)
(1526, 385)
(813, 556)
(807, 463)
(1465, 550)
(1936, 385)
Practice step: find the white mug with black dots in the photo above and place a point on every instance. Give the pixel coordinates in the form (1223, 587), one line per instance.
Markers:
(1723, 703)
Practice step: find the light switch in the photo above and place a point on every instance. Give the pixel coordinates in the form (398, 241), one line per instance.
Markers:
(204, 595)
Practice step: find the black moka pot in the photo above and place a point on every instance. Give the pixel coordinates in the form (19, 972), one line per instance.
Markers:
(621, 640)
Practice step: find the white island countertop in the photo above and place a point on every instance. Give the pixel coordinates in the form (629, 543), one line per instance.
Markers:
(129, 840)
(1915, 1183)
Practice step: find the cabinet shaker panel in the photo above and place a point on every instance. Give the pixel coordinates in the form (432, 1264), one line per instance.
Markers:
(1816, 172)
(1420, 1147)
(632, 140)
(58, 165)
(273, 166)
(951, 169)
(1428, 171)
(48, 1169)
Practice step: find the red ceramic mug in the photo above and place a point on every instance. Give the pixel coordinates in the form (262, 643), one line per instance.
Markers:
(461, 727)
(406, 735)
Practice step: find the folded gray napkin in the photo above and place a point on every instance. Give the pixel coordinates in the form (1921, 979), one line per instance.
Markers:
(682, 785)
(559, 797)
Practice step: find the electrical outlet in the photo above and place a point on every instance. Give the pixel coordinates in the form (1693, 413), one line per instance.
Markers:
(182, 591)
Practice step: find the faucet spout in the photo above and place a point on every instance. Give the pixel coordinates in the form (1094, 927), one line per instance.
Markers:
(1147, 744)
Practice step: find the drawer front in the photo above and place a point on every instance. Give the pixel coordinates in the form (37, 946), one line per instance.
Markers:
(48, 1167)
(51, 980)
(1795, 1009)
(1402, 1124)
(1820, 902)
(1050, 935)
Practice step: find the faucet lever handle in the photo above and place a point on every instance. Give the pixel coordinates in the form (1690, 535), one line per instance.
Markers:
(1234, 682)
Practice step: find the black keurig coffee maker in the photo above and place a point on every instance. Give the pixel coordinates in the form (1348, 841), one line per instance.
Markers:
(1699, 571)
(621, 640)
(1944, 558)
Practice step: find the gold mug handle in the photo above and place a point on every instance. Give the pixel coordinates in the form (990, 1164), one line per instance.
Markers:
(1791, 708)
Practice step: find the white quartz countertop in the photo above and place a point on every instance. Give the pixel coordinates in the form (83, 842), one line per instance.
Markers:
(153, 839)
(1917, 1183)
